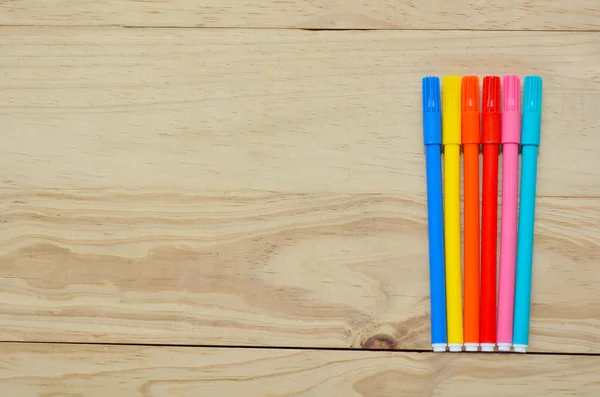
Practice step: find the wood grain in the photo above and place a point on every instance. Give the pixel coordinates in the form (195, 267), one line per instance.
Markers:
(128, 371)
(265, 187)
(313, 14)
(261, 110)
(298, 270)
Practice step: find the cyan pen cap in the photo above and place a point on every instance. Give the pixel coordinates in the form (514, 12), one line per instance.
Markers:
(432, 114)
(532, 111)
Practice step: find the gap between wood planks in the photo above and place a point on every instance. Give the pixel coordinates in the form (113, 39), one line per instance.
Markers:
(249, 347)
(119, 26)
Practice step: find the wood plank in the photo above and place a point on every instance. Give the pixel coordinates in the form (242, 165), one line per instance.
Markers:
(285, 111)
(126, 371)
(298, 270)
(314, 14)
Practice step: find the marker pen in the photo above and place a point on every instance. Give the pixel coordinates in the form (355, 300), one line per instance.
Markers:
(451, 139)
(432, 136)
(511, 137)
(532, 119)
(470, 141)
(490, 136)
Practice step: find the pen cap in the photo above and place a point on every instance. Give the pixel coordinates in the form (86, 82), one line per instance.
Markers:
(451, 110)
(432, 116)
(511, 109)
(470, 110)
(532, 111)
(491, 116)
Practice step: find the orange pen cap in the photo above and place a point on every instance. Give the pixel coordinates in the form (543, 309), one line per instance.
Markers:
(470, 110)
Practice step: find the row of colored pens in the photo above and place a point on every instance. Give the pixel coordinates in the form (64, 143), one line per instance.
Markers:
(491, 311)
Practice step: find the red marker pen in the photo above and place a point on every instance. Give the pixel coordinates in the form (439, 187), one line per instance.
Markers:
(491, 129)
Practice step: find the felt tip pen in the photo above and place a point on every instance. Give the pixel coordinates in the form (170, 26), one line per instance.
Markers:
(432, 136)
(530, 141)
(452, 140)
(511, 137)
(490, 137)
(470, 140)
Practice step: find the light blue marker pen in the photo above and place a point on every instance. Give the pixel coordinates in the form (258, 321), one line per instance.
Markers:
(530, 141)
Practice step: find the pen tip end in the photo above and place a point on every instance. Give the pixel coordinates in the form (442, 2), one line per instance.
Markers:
(470, 94)
(511, 97)
(431, 94)
(532, 97)
(491, 94)
(451, 94)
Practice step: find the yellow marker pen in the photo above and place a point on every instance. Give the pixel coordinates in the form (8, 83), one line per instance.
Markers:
(451, 140)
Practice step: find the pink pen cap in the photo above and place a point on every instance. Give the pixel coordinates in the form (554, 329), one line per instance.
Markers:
(511, 109)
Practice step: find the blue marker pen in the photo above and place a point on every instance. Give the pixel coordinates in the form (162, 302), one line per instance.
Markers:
(432, 135)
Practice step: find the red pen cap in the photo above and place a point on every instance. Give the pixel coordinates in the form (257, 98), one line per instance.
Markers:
(491, 116)
(470, 110)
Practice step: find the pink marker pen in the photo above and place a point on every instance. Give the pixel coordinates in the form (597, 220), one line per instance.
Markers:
(511, 138)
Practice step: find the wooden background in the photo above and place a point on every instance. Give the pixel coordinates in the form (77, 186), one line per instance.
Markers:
(203, 198)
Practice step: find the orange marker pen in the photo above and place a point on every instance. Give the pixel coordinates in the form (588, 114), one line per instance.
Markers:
(470, 139)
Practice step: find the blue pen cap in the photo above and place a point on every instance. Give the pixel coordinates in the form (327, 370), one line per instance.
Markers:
(432, 112)
(532, 111)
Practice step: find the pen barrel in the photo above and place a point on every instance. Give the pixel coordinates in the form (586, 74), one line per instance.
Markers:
(471, 242)
(511, 127)
(489, 226)
(452, 243)
(470, 127)
(491, 124)
(531, 129)
(525, 245)
(508, 242)
(432, 128)
(435, 220)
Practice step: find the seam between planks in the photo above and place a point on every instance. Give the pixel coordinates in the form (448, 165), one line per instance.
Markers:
(300, 348)
(121, 26)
